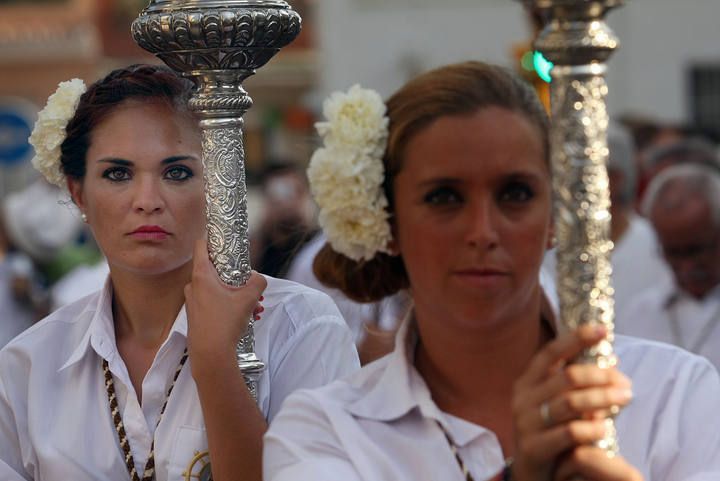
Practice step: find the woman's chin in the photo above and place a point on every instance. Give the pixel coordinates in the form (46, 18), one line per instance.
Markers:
(153, 267)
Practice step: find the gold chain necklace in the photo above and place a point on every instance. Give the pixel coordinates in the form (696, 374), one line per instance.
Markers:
(149, 472)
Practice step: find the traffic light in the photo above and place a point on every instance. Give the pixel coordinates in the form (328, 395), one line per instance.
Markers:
(535, 68)
(542, 66)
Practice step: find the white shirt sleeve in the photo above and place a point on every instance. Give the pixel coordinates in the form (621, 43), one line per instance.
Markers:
(318, 353)
(11, 456)
(671, 430)
(303, 446)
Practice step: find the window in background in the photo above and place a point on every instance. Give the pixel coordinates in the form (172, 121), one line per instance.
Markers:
(704, 98)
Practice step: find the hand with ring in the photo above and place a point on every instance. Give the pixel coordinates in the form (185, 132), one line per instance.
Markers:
(559, 411)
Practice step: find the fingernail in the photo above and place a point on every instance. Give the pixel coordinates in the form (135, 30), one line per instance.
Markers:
(262, 298)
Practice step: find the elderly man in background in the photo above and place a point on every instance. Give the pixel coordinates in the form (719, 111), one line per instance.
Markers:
(636, 260)
(693, 150)
(683, 204)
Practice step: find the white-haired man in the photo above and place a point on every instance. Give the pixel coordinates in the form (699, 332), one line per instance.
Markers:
(683, 204)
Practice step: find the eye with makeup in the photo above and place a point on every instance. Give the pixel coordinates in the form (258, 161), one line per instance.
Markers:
(442, 196)
(178, 173)
(117, 174)
(516, 192)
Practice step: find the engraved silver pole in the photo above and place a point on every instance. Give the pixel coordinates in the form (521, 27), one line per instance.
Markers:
(219, 44)
(579, 42)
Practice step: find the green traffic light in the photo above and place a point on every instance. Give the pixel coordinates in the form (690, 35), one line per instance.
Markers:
(527, 61)
(542, 66)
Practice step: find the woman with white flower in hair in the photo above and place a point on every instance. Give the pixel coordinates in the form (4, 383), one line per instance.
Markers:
(140, 380)
(450, 190)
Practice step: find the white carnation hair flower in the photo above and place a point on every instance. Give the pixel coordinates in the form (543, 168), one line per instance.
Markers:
(49, 132)
(346, 174)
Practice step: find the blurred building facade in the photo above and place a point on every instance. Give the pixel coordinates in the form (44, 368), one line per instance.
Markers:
(664, 69)
(43, 42)
(380, 43)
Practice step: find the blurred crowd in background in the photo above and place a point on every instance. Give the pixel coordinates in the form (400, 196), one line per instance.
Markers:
(49, 258)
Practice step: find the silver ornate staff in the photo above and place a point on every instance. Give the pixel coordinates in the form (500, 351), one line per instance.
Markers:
(218, 44)
(579, 42)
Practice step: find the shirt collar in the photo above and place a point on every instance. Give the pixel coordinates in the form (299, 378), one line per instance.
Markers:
(392, 395)
(101, 311)
(100, 335)
(400, 389)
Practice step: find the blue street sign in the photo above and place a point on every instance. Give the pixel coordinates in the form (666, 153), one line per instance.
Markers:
(17, 118)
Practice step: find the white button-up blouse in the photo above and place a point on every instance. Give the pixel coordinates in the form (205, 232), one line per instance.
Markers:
(55, 421)
(381, 423)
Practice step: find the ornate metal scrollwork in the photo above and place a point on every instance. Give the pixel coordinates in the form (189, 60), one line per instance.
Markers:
(219, 44)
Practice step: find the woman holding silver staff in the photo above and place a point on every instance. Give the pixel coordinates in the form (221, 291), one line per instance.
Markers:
(446, 191)
(140, 380)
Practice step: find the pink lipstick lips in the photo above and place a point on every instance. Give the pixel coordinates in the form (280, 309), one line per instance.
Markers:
(150, 233)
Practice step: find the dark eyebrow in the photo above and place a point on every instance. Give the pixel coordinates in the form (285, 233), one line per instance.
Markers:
(128, 163)
(179, 158)
(526, 176)
(441, 180)
(116, 161)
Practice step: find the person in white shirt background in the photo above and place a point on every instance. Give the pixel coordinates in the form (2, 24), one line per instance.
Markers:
(636, 260)
(37, 228)
(373, 324)
(683, 203)
(479, 372)
(140, 380)
(19, 283)
(674, 150)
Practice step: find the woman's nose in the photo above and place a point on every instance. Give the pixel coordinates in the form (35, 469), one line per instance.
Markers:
(482, 229)
(147, 197)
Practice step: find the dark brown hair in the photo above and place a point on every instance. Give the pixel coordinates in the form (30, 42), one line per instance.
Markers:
(459, 89)
(139, 82)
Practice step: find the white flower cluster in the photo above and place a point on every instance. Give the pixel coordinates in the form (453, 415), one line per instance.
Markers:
(346, 174)
(49, 132)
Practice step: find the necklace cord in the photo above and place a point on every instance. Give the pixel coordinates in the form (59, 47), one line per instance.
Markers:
(149, 471)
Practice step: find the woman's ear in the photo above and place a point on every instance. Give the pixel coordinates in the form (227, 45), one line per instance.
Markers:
(74, 186)
(551, 239)
(393, 248)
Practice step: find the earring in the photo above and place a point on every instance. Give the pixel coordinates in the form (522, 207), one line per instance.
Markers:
(83, 217)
